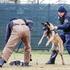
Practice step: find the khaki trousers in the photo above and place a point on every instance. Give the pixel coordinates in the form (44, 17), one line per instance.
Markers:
(19, 32)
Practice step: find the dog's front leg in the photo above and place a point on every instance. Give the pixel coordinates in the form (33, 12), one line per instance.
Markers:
(52, 48)
(41, 39)
(51, 38)
(47, 44)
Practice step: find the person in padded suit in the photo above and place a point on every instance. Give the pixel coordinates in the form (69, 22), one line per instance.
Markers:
(17, 30)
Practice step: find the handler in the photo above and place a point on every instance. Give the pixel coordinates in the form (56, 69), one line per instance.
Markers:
(64, 19)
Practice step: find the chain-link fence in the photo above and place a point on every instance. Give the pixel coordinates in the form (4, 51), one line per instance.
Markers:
(38, 13)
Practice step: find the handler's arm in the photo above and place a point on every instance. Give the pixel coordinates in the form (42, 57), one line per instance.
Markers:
(8, 31)
(29, 23)
(66, 24)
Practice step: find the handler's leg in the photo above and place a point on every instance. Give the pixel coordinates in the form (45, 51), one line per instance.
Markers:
(53, 57)
(27, 49)
(11, 44)
(63, 37)
(67, 42)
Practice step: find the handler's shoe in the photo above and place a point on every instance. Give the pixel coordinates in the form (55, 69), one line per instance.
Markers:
(2, 61)
(53, 57)
(49, 62)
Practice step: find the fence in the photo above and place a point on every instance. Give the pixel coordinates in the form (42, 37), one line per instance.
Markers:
(37, 13)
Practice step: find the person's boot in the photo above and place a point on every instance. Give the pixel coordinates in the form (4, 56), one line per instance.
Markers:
(2, 61)
(53, 57)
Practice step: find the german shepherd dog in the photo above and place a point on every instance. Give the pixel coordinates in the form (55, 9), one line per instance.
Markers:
(53, 38)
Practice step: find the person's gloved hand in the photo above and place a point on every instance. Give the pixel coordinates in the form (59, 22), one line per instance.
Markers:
(55, 27)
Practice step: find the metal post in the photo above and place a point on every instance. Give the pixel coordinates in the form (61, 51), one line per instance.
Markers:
(37, 1)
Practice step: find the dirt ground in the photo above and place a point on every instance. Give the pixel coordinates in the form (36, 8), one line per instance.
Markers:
(38, 63)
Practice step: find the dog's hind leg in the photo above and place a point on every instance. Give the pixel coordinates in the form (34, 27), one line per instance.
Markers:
(61, 48)
(62, 59)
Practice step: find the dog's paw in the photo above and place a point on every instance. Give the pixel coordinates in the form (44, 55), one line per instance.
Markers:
(63, 63)
(46, 44)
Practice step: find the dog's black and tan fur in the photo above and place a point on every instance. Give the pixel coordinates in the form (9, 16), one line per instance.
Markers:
(53, 37)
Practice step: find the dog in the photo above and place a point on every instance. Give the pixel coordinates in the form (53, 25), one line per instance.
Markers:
(53, 38)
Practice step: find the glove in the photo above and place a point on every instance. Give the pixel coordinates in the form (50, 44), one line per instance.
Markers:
(55, 27)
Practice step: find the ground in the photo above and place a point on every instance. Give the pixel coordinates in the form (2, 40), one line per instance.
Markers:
(38, 63)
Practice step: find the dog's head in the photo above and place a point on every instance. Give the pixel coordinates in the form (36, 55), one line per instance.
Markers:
(46, 25)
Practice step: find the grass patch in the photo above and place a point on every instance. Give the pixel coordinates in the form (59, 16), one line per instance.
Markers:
(39, 60)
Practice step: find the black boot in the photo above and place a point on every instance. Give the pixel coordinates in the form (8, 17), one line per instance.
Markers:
(53, 57)
(2, 61)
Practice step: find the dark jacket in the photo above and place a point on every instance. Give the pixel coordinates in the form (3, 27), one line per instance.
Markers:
(65, 23)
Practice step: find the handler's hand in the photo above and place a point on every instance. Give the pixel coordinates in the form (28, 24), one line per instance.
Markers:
(55, 27)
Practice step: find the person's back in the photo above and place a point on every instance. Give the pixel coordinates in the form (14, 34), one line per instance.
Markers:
(20, 27)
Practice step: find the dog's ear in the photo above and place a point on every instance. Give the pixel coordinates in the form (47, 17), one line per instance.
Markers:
(42, 23)
(13, 19)
(48, 23)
